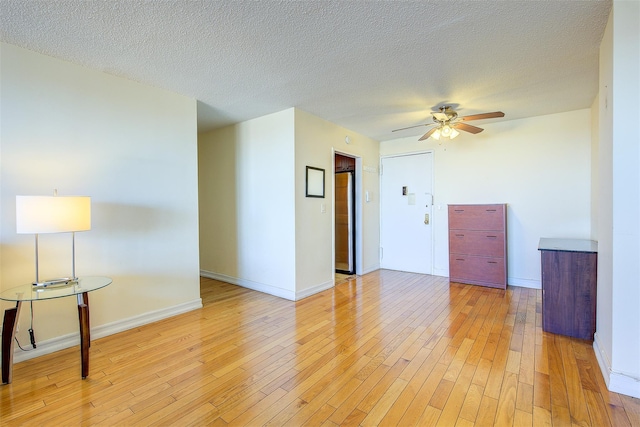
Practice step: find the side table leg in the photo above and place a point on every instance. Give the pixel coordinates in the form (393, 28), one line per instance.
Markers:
(8, 333)
(83, 318)
(85, 300)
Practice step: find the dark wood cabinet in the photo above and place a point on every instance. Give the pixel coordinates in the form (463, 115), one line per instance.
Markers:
(569, 273)
(478, 244)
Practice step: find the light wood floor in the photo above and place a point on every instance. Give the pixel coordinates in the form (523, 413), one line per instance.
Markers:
(388, 348)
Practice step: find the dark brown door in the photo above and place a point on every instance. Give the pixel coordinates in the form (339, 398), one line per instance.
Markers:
(345, 198)
(344, 241)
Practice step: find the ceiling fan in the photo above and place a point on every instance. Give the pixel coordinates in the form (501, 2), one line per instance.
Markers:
(447, 123)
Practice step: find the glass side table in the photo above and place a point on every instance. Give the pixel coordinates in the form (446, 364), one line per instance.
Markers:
(28, 292)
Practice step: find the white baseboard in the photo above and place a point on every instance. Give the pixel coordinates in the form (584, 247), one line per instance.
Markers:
(260, 287)
(617, 382)
(511, 281)
(70, 340)
(440, 272)
(314, 290)
(524, 283)
(268, 289)
(370, 269)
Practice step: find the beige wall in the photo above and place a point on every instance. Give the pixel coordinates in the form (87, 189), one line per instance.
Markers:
(133, 149)
(257, 228)
(316, 142)
(539, 166)
(247, 211)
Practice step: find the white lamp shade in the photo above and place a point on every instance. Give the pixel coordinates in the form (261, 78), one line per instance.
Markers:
(52, 214)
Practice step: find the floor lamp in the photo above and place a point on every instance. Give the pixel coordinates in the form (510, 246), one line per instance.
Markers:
(53, 214)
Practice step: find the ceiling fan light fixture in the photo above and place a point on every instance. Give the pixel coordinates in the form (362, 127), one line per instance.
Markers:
(447, 124)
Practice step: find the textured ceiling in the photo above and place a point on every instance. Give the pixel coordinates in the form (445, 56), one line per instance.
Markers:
(370, 66)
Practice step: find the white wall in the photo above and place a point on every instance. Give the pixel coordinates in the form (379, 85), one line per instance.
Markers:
(247, 210)
(258, 229)
(617, 342)
(316, 142)
(603, 341)
(133, 149)
(539, 166)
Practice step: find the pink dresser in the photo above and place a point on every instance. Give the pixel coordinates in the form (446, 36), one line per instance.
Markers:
(478, 245)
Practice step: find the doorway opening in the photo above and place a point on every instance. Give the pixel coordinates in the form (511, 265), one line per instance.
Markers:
(345, 214)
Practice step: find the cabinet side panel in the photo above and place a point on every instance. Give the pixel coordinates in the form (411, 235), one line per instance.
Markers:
(569, 293)
(584, 272)
(557, 297)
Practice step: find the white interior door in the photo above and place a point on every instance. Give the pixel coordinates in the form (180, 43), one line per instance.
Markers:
(406, 213)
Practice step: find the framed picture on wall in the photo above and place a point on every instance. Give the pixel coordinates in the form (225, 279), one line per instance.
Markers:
(315, 182)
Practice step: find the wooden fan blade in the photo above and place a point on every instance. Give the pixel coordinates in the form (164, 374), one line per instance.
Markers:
(483, 116)
(411, 127)
(428, 134)
(467, 128)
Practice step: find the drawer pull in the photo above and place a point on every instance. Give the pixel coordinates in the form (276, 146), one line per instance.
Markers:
(459, 235)
(459, 259)
(492, 237)
(491, 210)
(458, 210)
(491, 262)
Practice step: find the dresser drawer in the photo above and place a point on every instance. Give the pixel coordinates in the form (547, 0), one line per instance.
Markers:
(485, 243)
(476, 217)
(477, 270)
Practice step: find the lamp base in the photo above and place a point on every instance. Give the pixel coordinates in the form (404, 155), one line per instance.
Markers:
(53, 283)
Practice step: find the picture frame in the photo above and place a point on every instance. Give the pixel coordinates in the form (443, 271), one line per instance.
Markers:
(315, 182)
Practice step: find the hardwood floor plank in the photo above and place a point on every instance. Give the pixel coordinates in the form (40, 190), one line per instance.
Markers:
(380, 409)
(323, 390)
(541, 417)
(498, 367)
(527, 358)
(344, 408)
(441, 394)
(414, 385)
(388, 348)
(560, 416)
(597, 409)
(507, 400)
(485, 318)
(557, 383)
(481, 376)
(632, 409)
(522, 419)
(354, 418)
(258, 408)
(575, 395)
(451, 410)
(378, 391)
(419, 404)
(320, 416)
(541, 391)
(429, 417)
(471, 404)
(524, 398)
(487, 411)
